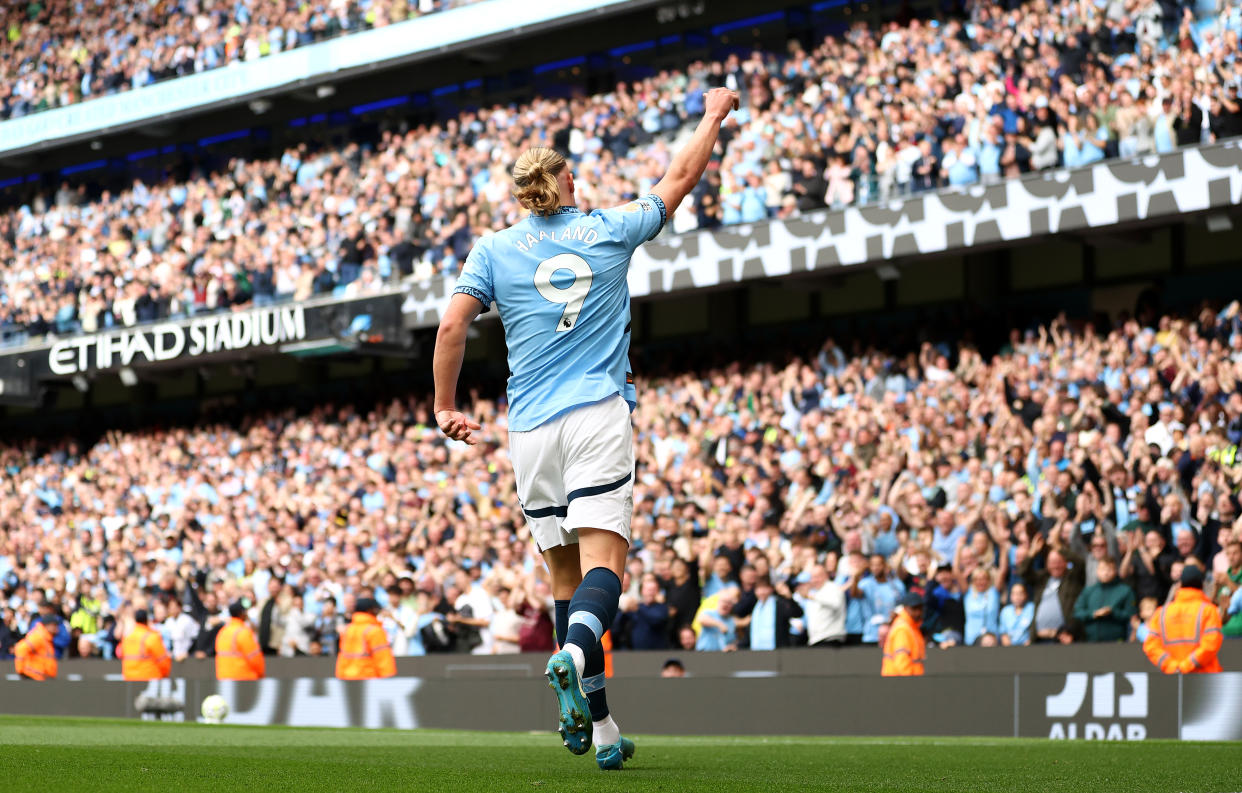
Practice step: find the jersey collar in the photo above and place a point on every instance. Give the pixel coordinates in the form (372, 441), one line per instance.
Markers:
(560, 211)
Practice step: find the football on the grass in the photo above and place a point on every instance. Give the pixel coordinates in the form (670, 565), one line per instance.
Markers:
(215, 709)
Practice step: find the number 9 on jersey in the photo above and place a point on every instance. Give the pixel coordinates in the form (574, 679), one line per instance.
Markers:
(572, 295)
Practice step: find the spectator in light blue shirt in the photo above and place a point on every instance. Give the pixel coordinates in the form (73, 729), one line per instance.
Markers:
(730, 201)
(1165, 142)
(982, 606)
(885, 540)
(718, 629)
(694, 99)
(960, 163)
(1094, 141)
(721, 577)
(1071, 154)
(882, 592)
(373, 498)
(754, 200)
(1016, 618)
(771, 615)
(946, 535)
(991, 146)
(857, 607)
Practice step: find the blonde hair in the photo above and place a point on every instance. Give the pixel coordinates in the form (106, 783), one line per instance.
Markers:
(534, 179)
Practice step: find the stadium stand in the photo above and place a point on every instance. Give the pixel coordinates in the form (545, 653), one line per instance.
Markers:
(948, 468)
(59, 52)
(863, 117)
(873, 470)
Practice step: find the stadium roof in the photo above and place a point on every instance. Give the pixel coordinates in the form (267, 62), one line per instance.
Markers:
(305, 67)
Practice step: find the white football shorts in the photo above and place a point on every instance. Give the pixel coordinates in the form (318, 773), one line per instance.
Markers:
(576, 471)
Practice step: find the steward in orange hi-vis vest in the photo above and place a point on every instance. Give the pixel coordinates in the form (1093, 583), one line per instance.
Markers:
(905, 648)
(238, 656)
(35, 654)
(142, 652)
(364, 652)
(1184, 635)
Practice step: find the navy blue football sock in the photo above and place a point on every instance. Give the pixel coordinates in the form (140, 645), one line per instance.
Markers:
(593, 683)
(562, 621)
(593, 608)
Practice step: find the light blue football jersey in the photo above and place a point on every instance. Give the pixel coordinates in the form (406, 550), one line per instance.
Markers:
(560, 284)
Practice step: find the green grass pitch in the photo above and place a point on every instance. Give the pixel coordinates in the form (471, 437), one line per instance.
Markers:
(47, 754)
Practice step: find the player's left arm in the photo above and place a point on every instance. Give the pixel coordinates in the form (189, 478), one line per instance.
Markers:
(446, 365)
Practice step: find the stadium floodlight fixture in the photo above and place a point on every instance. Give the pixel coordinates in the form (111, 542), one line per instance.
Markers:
(96, 144)
(887, 272)
(260, 106)
(325, 91)
(128, 378)
(1218, 222)
(81, 383)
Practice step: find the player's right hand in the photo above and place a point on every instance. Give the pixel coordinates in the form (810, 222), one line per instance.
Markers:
(719, 101)
(457, 425)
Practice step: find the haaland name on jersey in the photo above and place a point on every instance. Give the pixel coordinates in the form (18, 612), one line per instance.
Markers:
(579, 233)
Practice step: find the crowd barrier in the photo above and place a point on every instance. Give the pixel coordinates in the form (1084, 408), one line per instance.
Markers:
(1085, 692)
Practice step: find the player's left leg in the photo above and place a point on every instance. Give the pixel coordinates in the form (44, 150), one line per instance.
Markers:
(602, 551)
(564, 565)
(576, 673)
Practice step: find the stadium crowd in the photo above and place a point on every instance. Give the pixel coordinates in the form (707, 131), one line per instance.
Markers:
(61, 52)
(871, 114)
(1050, 493)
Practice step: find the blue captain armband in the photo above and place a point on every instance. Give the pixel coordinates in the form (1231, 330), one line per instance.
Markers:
(477, 295)
(659, 202)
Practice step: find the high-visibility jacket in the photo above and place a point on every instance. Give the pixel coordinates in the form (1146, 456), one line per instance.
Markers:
(238, 656)
(143, 655)
(605, 643)
(1185, 635)
(365, 653)
(904, 649)
(36, 655)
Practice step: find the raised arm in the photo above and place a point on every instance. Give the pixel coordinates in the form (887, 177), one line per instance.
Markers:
(686, 169)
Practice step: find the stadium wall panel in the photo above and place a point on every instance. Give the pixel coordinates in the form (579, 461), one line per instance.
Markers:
(800, 662)
(1074, 704)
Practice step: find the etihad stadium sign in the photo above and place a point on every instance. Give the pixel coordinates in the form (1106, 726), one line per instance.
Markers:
(168, 341)
(1099, 196)
(319, 326)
